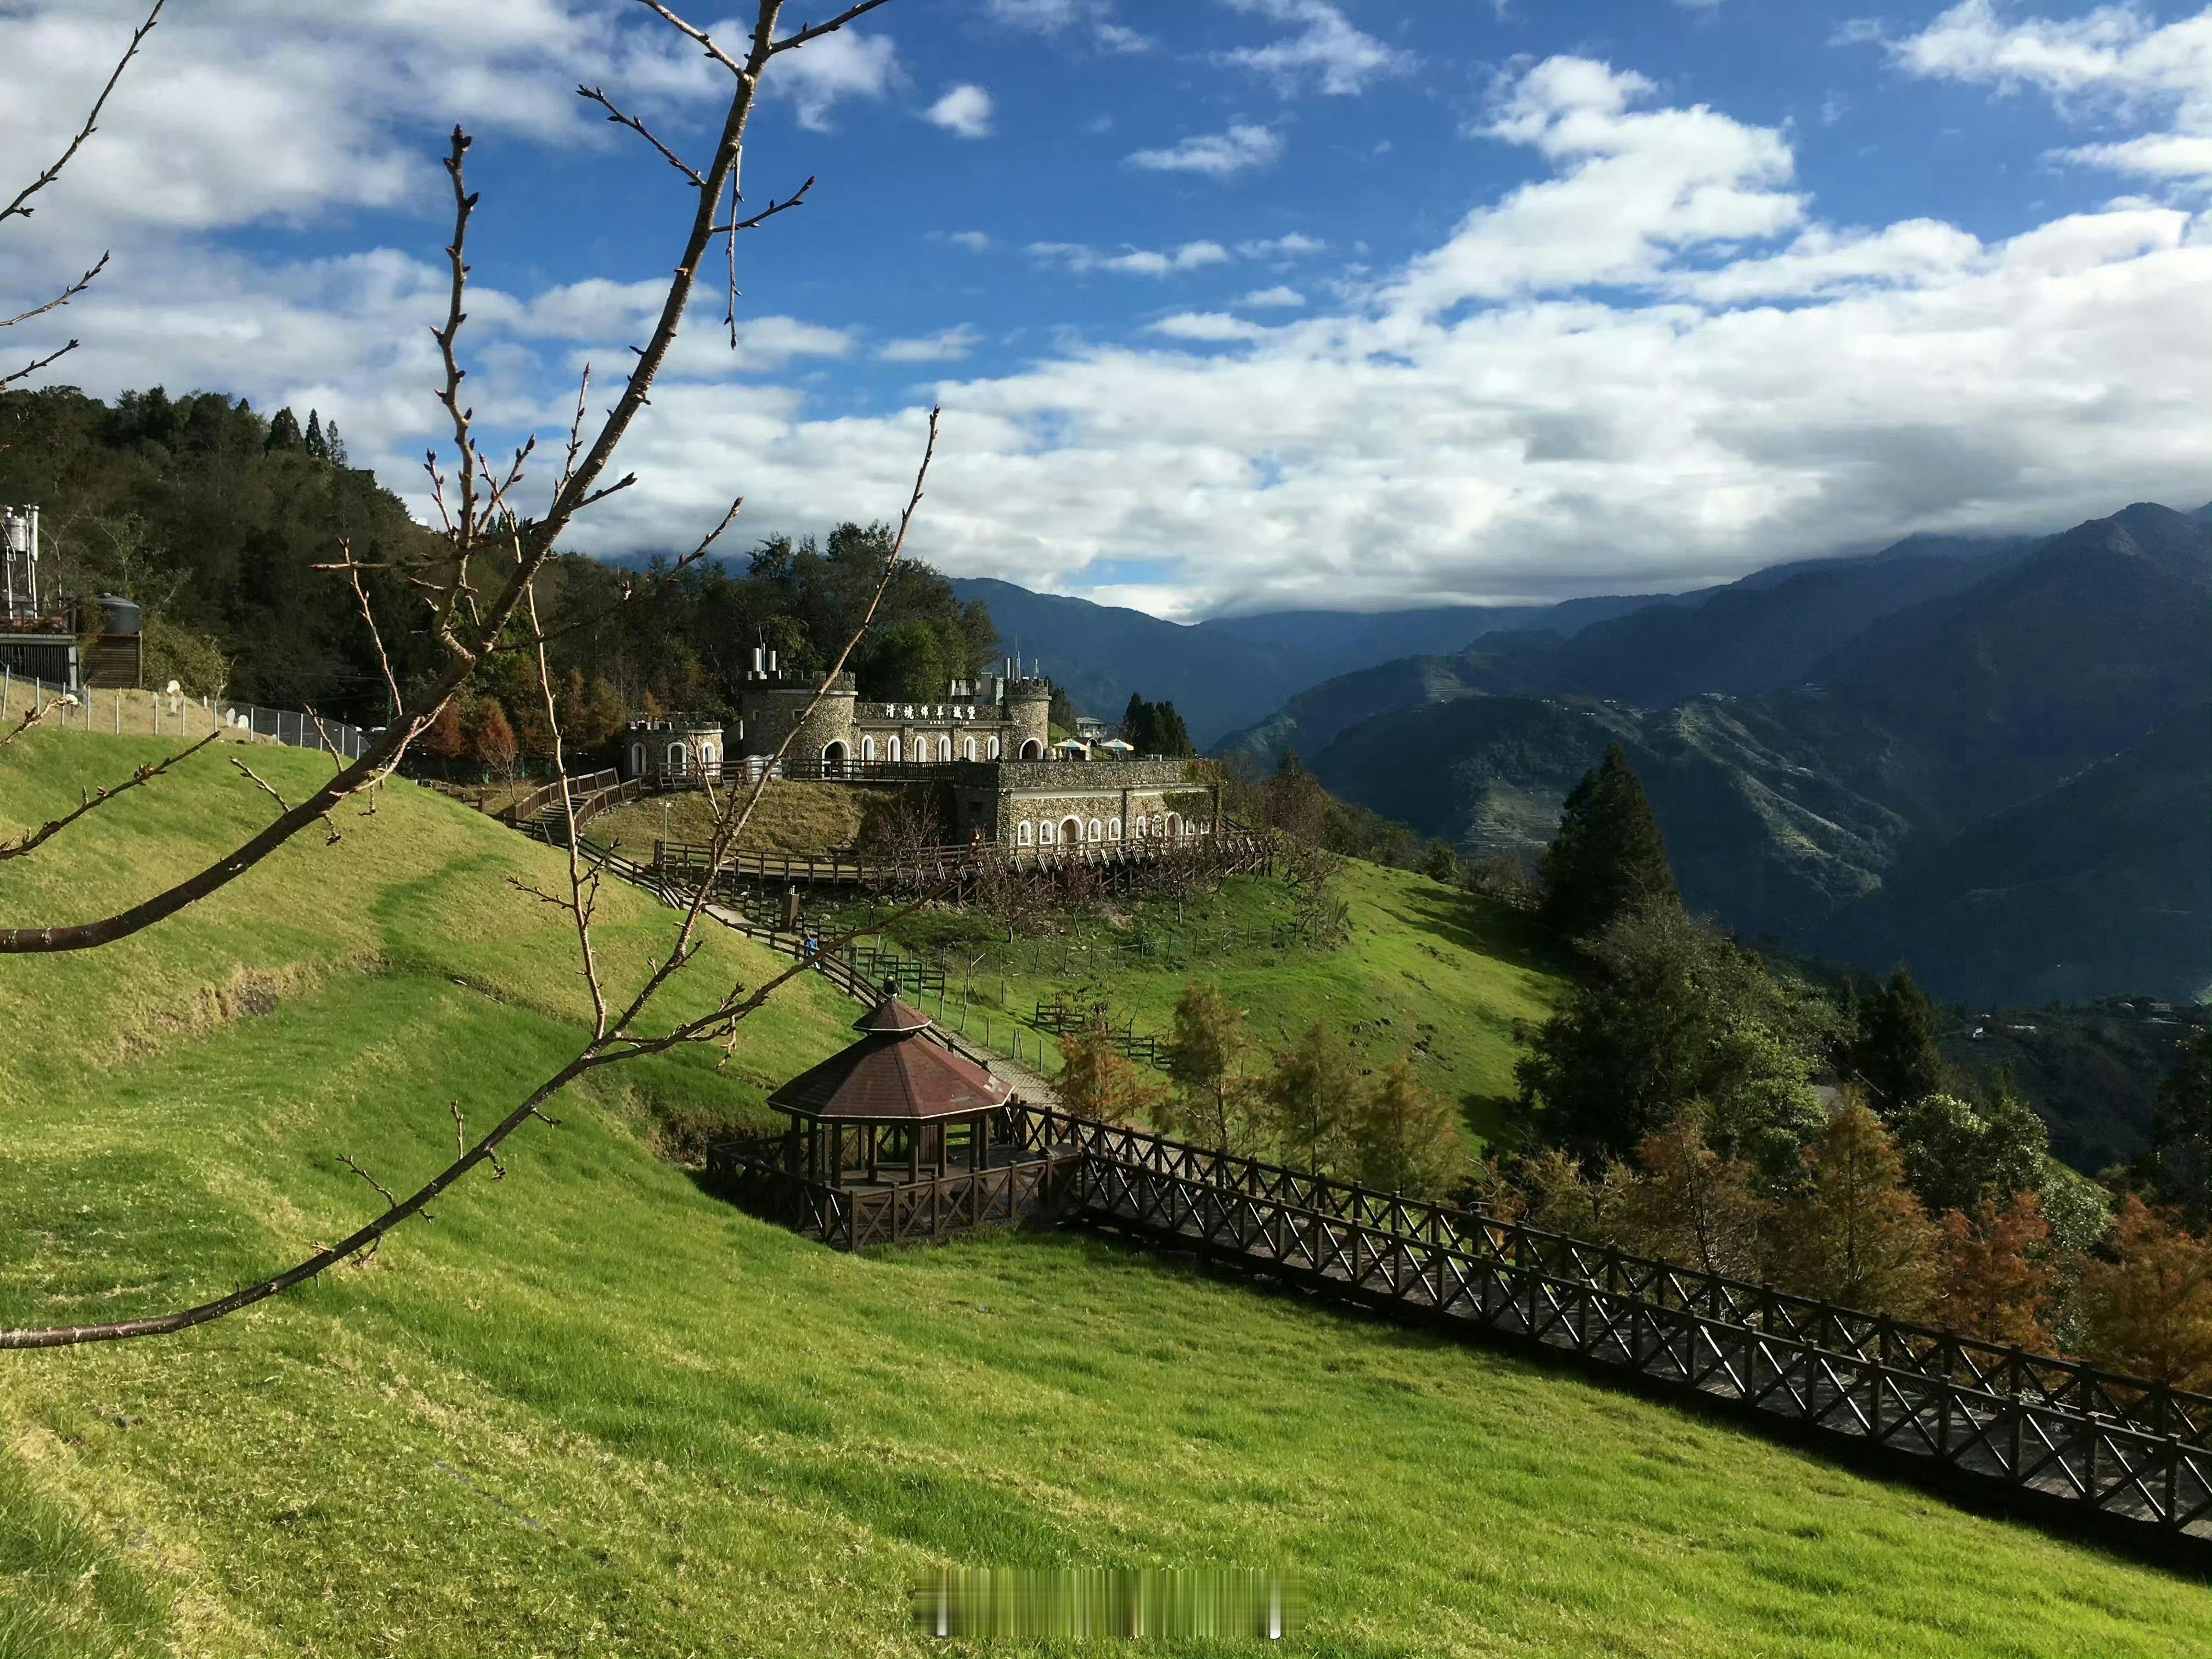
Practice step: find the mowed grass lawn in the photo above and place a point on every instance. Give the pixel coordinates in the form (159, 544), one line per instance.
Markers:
(591, 1410)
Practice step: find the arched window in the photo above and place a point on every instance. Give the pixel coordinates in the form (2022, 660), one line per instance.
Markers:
(1175, 825)
(1113, 828)
(1097, 830)
(867, 749)
(1048, 833)
(968, 749)
(991, 749)
(1137, 828)
(1025, 833)
(676, 760)
(637, 760)
(891, 747)
(709, 756)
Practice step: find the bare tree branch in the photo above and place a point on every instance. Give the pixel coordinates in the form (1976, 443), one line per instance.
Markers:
(706, 42)
(620, 119)
(23, 846)
(816, 31)
(30, 369)
(63, 297)
(19, 209)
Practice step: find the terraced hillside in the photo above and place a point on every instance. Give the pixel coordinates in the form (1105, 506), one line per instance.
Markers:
(592, 1410)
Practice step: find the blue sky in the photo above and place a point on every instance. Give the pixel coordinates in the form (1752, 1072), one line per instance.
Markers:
(1231, 304)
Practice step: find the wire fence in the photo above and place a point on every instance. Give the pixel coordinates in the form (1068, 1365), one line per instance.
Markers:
(140, 713)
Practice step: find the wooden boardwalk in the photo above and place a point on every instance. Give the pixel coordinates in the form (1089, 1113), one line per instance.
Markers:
(2035, 1433)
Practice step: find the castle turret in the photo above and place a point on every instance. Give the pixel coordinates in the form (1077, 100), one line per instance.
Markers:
(1029, 715)
(775, 701)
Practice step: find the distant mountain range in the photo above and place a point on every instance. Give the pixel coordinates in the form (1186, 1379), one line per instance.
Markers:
(1990, 758)
(1990, 763)
(1225, 674)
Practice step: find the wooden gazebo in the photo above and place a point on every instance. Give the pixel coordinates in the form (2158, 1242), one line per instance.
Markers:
(897, 1107)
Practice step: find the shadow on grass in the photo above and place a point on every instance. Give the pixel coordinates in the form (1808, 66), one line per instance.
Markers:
(1485, 927)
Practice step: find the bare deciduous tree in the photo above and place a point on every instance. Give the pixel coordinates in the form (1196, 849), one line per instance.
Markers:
(477, 596)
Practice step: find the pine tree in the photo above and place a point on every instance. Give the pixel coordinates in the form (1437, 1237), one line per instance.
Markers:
(2181, 1129)
(491, 738)
(1213, 1100)
(1407, 1138)
(1998, 1280)
(1137, 726)
(2148, 1313)
(1169, 735)
(445, 740)
(1895, 1054)
(1609, 859)
(334, 447)
(1694, 1205)
(1095, 1081)
(284, 432)
(1854, 1235)
(1311, 1100)
(1564, 1196)
(316, 445)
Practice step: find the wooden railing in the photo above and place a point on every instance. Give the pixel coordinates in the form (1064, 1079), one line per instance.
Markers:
(2046, 1433)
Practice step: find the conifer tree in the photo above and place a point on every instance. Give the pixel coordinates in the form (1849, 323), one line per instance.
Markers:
(334, 449)
(1565, 1197)
(2181, 1129)
(1096, 1080)
(315, 444)
(1895, 1054)
(1997, 1277)
(1692, 1206)
(2149, 1312)
(445, 740)
(1407, 1138)
(1170, 737)
(284, 432)
(1609, 859)
(1137, 725)
(1854, 1235)
(1213, 1100)
(1311, 1100)
(491, 738)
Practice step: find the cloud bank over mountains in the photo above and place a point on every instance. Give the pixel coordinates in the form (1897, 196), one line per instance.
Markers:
(1655, 362)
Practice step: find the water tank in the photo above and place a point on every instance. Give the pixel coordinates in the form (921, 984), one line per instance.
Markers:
(121, 614)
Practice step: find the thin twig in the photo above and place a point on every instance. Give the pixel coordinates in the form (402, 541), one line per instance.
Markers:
(622, 119)
(63, 297)
(24, 845)
(816, 31)
(18, 208)
(261, 783)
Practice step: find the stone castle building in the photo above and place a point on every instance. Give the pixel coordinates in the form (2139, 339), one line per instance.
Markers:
(1003, 780)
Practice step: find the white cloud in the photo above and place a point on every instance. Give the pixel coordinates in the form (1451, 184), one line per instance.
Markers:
(1276, 297)
(964, 112)
(1131, 262)
(945, 346)
(1062, 17)
(2114, 60)
(1208, 325)
(1676, 370)
(826, 71)
(1634, 189)
(1291, 247)
(1327, 50)
(1217, 155)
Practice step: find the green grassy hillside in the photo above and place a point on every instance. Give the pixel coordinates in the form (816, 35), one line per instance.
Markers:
(1427, 972)
(592, 1410)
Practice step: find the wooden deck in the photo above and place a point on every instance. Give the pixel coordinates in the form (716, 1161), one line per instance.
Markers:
(1017, 1185)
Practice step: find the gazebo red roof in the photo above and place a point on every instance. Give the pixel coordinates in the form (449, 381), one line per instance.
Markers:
(896, 1072)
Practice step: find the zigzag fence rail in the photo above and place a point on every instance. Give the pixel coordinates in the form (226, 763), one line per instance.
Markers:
(2033, 1431)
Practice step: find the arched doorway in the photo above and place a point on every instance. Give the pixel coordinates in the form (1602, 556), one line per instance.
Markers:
(1032, 749)
(675, 760)
(833, 757)
(892, 747)
(1070, 831)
